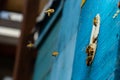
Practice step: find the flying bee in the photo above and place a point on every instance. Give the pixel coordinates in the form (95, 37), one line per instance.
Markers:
(30, 45)
(49, 11)
(55, 53)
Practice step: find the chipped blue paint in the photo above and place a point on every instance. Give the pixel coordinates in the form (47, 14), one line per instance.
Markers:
(104, 63)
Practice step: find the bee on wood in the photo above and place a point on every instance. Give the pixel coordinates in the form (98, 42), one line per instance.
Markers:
(95, 21)
(55, 53)
(89, 50)
(90, 53)
(82, 3)
(49, 11)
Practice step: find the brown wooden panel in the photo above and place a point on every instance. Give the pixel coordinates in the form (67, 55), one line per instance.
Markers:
(24, 55)
(17, 5)
(7, 50)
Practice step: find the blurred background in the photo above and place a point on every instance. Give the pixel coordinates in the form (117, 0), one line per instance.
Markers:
(11, 21)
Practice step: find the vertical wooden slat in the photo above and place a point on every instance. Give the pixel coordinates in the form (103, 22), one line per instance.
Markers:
(22, 70)
(2, 4)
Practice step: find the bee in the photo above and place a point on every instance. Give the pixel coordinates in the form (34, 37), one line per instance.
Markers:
(49, 11)
(89, 60)
(30, 45)
(90, 50)
(95, 21)
(55, 53)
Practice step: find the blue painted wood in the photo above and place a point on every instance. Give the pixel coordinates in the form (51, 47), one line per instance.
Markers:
(62, 68)
(59, 68)
(104, 64)
(45, 59)
(47, 27)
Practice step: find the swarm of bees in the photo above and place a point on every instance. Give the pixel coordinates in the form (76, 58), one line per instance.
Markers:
(49, 11)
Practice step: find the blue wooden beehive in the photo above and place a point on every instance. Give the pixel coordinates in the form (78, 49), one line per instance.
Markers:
(70, 37)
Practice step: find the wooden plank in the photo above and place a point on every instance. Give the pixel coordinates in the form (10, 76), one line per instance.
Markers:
(11, 24)
(22, 70)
